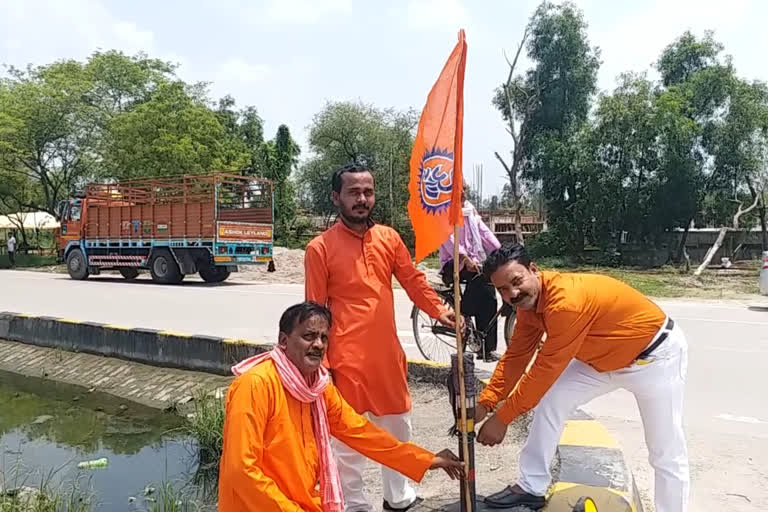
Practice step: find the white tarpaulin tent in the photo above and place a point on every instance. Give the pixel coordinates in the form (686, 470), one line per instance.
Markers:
(31, 220)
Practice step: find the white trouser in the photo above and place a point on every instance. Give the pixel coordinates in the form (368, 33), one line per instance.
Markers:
(658, 388)
(397, 489)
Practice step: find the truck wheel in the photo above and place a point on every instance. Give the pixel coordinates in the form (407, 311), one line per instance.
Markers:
(214, 274)
(129, 273)
(76, 265)
(164, 268)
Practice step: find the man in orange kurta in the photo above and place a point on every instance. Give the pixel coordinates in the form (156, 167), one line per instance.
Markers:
(350, 268)
(271, 461)
(601, 335)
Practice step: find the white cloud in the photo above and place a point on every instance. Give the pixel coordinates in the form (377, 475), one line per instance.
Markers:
(236, 70)
(299, 12)
(440, 14)
(132, 38)
(636, 39)
(40, 31)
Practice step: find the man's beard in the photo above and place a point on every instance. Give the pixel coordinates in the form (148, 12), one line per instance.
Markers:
(347, 216)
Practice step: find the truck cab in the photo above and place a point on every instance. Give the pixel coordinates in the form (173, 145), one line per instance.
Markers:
(71, 215)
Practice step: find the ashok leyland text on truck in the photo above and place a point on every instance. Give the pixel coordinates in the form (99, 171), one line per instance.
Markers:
(172, 226)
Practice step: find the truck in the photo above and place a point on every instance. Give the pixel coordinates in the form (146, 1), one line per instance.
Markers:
(173, 227)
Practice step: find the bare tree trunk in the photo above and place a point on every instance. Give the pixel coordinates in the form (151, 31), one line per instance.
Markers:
(687, 260)
(518, 223)
(517, 204)
(712, 250)
(681, 248)
(761, 211)
(721, 235)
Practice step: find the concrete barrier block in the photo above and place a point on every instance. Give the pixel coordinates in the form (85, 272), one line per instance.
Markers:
(592, 465)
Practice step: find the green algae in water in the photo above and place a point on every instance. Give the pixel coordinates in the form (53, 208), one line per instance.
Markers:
(46, 428)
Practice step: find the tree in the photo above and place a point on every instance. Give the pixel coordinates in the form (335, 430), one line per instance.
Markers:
(738, 145)
(695, 80)
(517, 101)
(723, 230)
(346, 132)
(173, 133)
(55, 118)
(49, 133)
(280, 158)
(120, 82)
(564, 70)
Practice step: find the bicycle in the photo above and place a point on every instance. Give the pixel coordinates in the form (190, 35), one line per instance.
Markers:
(437, 342)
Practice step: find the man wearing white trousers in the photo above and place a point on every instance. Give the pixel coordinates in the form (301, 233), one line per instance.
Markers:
(599, 335)
(350, 268)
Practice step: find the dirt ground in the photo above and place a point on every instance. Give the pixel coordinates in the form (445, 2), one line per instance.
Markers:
(495, 468)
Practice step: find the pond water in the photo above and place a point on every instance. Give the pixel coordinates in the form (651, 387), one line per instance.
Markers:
(47, 428)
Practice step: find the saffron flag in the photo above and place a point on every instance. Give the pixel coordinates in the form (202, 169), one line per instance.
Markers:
(436, 179)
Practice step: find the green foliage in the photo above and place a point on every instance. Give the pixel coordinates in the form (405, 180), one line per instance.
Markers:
(172, 133)
(346, 132)
(644, 159)
(564, 72)
(123, 117)
(280, 157)
(206, 426)
(545, 245)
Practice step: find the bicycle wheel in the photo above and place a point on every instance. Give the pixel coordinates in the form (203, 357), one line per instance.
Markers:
(435, 342)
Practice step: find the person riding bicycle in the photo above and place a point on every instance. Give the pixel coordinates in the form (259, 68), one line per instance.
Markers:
(479, 299)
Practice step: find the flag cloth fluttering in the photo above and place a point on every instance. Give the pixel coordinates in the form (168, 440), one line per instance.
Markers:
(436, 179)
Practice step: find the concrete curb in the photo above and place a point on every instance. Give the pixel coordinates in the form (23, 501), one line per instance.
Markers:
(209, 354)
(592, 464)
(591, 461)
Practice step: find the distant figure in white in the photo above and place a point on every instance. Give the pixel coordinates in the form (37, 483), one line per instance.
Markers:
(12, 249)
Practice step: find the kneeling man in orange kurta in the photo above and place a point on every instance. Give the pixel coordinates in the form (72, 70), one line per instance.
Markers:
(280, 414)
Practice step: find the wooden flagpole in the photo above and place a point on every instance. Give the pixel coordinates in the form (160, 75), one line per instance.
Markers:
(460, 363)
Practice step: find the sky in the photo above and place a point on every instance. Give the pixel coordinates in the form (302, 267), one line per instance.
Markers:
(289, 57)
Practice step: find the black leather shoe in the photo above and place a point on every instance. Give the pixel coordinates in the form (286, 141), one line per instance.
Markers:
(512, 497)
(387, 506)
(491, 357)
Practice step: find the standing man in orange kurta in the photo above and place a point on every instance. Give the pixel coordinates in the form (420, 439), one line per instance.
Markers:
(350, 268)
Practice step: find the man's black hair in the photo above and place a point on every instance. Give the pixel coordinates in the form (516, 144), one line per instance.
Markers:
(336, 179)
(298, 313)
(507, 253)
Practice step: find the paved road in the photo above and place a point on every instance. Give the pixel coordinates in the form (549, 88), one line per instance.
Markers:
(726, 410)
(234, 309)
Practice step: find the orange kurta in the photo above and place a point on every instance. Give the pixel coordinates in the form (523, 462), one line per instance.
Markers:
(593, 318)
(270, 461)
(352, 274)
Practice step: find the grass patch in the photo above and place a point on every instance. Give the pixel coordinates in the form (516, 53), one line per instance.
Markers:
(206, 426)
(169, 498)
(28, 261)
(670, 282)
(44, 496)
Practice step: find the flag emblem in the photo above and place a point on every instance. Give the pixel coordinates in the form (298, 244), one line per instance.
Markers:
(436, 180)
